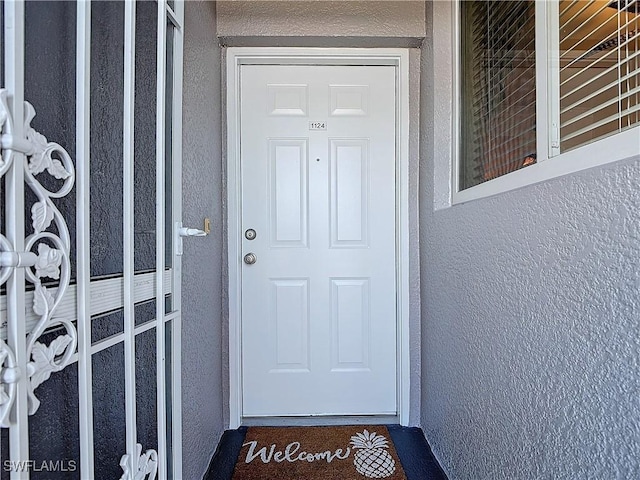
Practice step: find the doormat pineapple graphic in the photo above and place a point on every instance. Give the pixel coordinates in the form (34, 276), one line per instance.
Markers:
(371, 458)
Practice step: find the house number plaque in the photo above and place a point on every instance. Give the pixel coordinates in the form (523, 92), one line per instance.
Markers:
(317, 125)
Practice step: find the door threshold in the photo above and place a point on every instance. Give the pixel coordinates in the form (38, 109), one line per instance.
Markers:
(311, 421)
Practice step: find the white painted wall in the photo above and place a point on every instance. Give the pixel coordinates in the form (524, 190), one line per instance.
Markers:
(530, 312)
(202, 337)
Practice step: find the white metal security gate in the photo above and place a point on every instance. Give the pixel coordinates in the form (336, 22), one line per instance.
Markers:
(90, 189)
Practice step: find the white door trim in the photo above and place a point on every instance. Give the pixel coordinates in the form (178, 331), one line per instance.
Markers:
(237, 56)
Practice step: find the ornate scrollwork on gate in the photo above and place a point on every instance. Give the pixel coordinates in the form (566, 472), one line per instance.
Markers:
(50, 239)
(145, 465)
(9, 373)
(5, 163)
(53, 257)
(8, 378)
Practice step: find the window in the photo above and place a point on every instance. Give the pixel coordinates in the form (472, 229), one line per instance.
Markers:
(498, 89)
(599, 69)
(544, 87)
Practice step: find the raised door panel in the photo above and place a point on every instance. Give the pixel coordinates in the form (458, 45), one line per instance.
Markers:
(288, 186)
(289, 324)
(287, 100)
(350, 324)
(349, 192)
(349, 100)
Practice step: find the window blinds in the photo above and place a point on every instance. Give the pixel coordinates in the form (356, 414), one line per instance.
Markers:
(498, 104)
(599, 69)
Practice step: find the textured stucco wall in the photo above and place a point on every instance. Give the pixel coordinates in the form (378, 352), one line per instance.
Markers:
(414, 239)
(367, 23)
(530, 314)
(202, 338)
(321, 19)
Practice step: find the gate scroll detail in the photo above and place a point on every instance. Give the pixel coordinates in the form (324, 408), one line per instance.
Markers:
(47, 255)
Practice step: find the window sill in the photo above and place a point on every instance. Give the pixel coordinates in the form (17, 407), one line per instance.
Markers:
(619, 147)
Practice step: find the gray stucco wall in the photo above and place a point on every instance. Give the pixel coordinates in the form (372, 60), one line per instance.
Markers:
(397, 19)
(202, 337)
(530, 314)
(371, 24)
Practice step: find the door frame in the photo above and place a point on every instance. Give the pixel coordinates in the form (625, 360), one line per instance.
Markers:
(238, 56)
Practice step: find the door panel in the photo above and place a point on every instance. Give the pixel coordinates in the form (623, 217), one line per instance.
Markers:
(351, 325)
(289, 213)
(349, 192)
(318, 186)
(289, 315)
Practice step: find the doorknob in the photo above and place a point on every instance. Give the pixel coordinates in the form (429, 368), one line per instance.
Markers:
(250, 258)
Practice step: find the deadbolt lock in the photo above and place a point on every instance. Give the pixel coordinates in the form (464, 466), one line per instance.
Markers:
(250, 234)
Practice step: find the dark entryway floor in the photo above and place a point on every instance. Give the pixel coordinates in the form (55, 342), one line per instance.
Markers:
(415, 454)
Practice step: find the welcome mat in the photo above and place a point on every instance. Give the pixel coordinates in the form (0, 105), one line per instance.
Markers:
(318, 453)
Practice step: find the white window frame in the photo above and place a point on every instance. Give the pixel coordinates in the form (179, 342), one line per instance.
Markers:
(550, 162)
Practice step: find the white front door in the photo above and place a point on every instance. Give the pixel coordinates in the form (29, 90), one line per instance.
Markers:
(318, 194)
